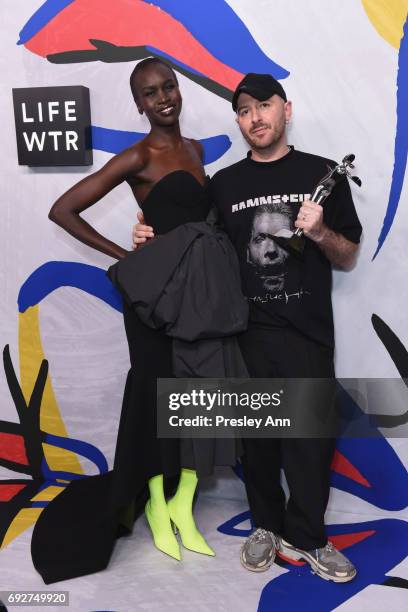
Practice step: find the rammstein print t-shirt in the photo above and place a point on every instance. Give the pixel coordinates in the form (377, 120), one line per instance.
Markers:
(257, 200)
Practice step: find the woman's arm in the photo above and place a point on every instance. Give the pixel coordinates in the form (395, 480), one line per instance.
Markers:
(66, 210)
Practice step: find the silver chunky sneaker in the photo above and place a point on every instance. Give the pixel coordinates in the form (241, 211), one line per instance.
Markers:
(327, 562)
(258, 551)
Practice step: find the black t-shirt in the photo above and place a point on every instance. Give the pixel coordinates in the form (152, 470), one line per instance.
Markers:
(257, 199)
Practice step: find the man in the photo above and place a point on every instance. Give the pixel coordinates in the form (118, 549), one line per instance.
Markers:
(290, 332)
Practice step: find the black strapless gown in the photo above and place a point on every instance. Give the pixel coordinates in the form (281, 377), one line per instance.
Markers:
(176, 199)
(76, 533)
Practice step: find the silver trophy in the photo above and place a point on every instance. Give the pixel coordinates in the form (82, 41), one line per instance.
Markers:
(296, 243)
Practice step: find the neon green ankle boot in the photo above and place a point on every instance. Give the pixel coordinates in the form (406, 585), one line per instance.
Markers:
(180, 511)
(157, 516)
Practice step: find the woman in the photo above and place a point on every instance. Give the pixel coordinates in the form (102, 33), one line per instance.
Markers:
(165, 172)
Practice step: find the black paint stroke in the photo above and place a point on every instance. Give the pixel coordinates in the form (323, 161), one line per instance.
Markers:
(399, 355)
(107, 52)
(29, 415)
(394, 581)
(22, 499)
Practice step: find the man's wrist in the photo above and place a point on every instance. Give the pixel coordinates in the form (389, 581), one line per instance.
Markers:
(321, 235)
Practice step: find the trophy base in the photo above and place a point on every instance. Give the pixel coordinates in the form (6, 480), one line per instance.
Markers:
(294, 245)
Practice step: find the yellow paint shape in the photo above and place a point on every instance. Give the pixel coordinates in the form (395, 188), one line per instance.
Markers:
(388, 18)
(60, 459)
(47, 494)
(31, 356)
(22, 521)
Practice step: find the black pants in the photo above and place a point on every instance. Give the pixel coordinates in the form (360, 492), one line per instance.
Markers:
(284, 352)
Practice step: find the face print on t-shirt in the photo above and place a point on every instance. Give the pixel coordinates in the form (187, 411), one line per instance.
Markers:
(266, 257)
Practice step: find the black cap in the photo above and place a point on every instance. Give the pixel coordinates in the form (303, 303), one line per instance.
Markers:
(259, 86)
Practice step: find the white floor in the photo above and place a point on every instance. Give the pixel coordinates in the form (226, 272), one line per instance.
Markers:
(140, 578)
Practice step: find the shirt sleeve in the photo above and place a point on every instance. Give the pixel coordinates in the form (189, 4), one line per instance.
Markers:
(339, 213)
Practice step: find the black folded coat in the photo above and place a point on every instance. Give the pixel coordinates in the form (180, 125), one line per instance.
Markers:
(187, 282)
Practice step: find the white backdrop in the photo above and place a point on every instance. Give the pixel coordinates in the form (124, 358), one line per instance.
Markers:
(343, 84)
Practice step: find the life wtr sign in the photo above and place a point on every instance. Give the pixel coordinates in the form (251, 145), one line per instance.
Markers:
(53, 126)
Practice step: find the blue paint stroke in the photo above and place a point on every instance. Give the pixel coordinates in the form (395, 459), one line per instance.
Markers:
(401, 141)
(230, 526)
(89, 451)
(51, 475)
(52, 483)
(299, 589)
(388, 486)
(55, 274)
(116, 141)
(41, 17)
(218, 28)
(215, 147)
(380, 465)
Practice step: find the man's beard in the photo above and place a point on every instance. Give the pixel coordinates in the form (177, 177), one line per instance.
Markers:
(274, 139)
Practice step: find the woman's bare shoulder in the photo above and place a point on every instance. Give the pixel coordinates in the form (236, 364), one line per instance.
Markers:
(133, 159)
(197, 146)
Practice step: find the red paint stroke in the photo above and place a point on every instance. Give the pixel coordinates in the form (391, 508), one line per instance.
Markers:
(7, 492)
(345, 540)
(12, 448)
(128, 24)
(343, 466)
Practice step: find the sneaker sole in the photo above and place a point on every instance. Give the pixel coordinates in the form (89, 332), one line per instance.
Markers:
(252, 568)
(333, 578)
(315, 568)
